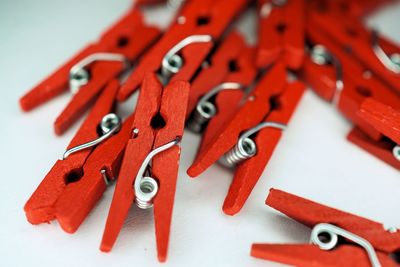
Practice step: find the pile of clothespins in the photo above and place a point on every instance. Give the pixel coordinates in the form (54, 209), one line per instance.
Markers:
(201, 73)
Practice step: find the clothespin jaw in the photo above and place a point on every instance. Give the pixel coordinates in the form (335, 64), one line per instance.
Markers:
(184, 47)
(386, 120)
(281, 32)
(249, 115)
(91, 69)
(42, 205)
(384, 242)
(159, 119)
(305, 255)
(249, 171)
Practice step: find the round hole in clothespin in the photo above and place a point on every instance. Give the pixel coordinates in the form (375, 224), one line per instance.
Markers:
(395, 256)
(364, 91)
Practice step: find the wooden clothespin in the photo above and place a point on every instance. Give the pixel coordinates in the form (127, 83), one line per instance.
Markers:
(338, 238)
(156, 130)
(89, 71)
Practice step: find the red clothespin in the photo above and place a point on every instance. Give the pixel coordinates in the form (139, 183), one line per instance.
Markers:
(156, 130)
(184, 47)
(335, 76)
(366, 243)
(281, 32)
(378, 54)
(217, 91)
(386, 120)
(75, 183)
(92, 68)
(250, 136)
(344, 8)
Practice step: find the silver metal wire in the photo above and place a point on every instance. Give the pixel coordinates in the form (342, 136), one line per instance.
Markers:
(396, 152)
(267, 7)
(332, 232)
(205, 109)
(172, 62)
(321, 56)
(146, 188)
(245, 147)
(391, 62)
(109, 125)
(79, 75)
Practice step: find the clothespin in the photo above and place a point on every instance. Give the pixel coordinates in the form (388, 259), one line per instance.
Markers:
(186, 44)
(386, 120)
(355, 9)
(338, 238)
(156, 130)
(218, 89)
(335, 76)
(248, 139)
(88, 72)
(281, 32)
(378, 54)
(75, 183)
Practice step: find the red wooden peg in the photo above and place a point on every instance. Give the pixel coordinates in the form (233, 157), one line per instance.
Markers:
(40, 207)
(224, 61)
(378, 54)
(121, 41)
(342, 8)
(383, 242)
(159, 120)
(271, 104)
(252, 113)
(203, 22)
(386, 120)
(231, 65)
(358, 83)
(281, 32)
(247, 173)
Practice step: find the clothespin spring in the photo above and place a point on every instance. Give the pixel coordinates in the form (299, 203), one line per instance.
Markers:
(245, 147)
(321, 56)
(172, 61)
(146, 187)
(205, 109)
(79, 75)
(109, 125)
(332, 232)
(391, 62)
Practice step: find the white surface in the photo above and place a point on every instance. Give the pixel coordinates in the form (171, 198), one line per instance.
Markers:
(312, 160)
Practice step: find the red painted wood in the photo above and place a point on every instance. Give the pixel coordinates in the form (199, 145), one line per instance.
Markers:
(171, 103)
(217, 15)
(311, 213)
(350, 34)
(382, 117)
(344, 254)
(120, 38)
(357, 86)
(281, 34)
(249, 171)
(304, 255)
(249, 115)
(381, 149)
(41, 205)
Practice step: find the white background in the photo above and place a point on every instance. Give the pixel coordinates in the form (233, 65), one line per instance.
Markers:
(313, 160)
